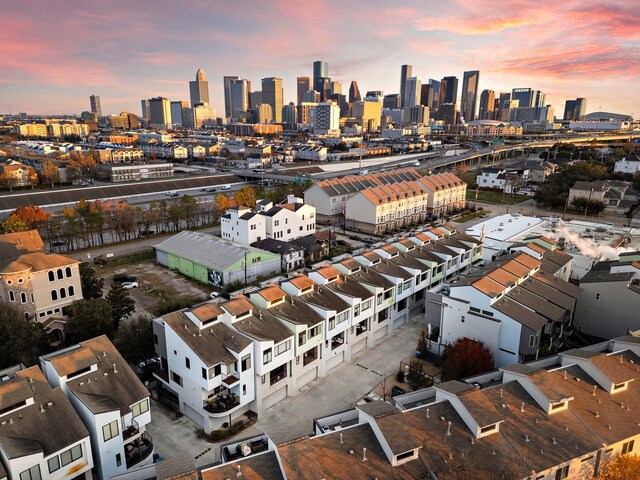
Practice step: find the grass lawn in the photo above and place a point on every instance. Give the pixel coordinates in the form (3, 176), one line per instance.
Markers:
(495, 197)
(470, 216)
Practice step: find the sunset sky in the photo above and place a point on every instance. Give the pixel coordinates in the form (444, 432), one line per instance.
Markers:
(53, 55)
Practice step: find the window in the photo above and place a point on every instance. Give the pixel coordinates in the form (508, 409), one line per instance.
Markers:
(59, 274)
(52, 276)
(140, 407)
(31, 474)
(267, 356)
(23, 297)
(54, 464)
(356, 310)
(204, 373)
(176, 378)
(532, 341)
(245, 362)
(63, 293)
(489, 428)
(71, 455)
(627, 447)
(302, 338)
(562, 473)
(244, 389)
(118, 460)
(33, 299)
(317, 330)
(283, 347)
(20, 280)
(110, 430)
(217, 370)
(12, 296)
(67, 272)
(72, 291)
(187, 363)
(155, 338)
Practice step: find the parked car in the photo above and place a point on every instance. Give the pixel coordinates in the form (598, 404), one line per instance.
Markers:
(395, 391)
(484, 215)
(148, 365)
(355, 237)
(214, 295)
(368, 240)
(210, 190)
(122, 278)
(226, 187)
(129, 285)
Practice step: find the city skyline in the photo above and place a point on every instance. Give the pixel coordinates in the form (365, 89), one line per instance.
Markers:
(52, 60)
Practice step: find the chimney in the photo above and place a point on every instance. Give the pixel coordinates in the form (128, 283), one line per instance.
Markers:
(364, 454)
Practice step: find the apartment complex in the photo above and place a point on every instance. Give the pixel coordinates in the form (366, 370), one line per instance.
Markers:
(386, 200)
(219, 360)
(39, 284)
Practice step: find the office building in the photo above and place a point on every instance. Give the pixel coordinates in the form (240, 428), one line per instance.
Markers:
(239, 91)
(304, 112)
(416, 114)
(255, 98)
(412, 90)
(405, 74)
(426, 95)
(336, 88)
(502, 112)
(435, 84)
(272, 94)
(199, 89)
(95, 105)
(326, 118)
(290, 115)
(264, 113)
(320, 70)
(145, 110)
(226, 81)
(448, 113)
(198, 116)
(160, 113)
(311, 97)
(448, 90)
(368, 114)
(324, 83)
(391, 101)
(487, 105)
(574, 109)
(303, 87)
(528, 97)
(469, 98)
(354, 92)
(176, 111)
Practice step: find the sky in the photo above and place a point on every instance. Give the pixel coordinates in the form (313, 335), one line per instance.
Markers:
(54, 54)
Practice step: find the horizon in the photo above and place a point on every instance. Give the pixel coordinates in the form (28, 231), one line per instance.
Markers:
(53, 60)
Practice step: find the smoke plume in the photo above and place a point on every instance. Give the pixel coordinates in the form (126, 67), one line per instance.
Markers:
(589, 247)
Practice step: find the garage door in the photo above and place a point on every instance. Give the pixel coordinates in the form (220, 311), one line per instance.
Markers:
(193, 415)
(399, 321)
(308, 377)
(274, 398)
(378, 334)
(360, 344)
(335, 360)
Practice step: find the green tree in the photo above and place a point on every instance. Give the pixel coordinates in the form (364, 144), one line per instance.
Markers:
(21, 340)
(466, 357)
(92, 285)
(122, 305)
(88, 319)
(134, 339)
(14, 224)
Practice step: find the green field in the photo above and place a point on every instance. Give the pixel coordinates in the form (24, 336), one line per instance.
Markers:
(496, 197)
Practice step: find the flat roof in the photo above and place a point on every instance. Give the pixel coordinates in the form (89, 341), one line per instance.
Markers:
(504, 227)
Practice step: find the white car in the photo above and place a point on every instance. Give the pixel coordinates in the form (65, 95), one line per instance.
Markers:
(129, 285)
(214, 295)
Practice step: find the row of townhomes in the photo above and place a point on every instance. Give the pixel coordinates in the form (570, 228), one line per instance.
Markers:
(287, 221)
(386, 201)
(221, 359)
(37, 283)
(82, 412)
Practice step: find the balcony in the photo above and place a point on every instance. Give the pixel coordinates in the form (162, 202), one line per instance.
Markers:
(130, 431)
(139, 451)
(222, 403)
(310, 356)
(231, 379)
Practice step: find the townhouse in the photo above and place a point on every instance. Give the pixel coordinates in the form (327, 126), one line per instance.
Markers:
(41, 436)
(206, 364)
(39, 284)
(109, 399)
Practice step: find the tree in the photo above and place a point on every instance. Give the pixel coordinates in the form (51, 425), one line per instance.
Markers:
(88, 319)
(134, 339)
(92, 285)
(32, 215)
(416, 377)
(50, 173)
(122, 305)
(14, 224)
(591, 207)
(621, 467)
(245, 196)
(32, 176)
(21, 340)
(466, 357)
(423, 344)
(220, 204)
(8, 179)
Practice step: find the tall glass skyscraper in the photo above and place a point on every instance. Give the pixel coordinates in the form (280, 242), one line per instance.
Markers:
(320, 70)
(469, 98)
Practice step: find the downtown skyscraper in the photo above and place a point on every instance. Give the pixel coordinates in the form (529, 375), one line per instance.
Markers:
(487, 105)
(469, 98)
(320, 70)
(405, 74)
(239, 91)
(96, 107)
(272, 94)
(199, 89)
(304, 86)
(226, 81)
(354, 92)
(448, 90)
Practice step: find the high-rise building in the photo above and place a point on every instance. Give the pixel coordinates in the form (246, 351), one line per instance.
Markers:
(176, 111)
(391, 100)
(415, 114)
(239, 98)
(325, 118)
(575, 109)
(368, 114)
(145, 109)
(341, 100)
(324, 83)
(469, 99)
(311, 97)
(487, 105)
(411, 94)
(336, 88)
(405, 74)
(95, 105)
(435, 84)
(374, 96)
(290, 115)
(226, 84)
(265, 113)
(354, 92)
(507, 108)
(304, 112)
(255, 98)
(272, 94)
(502, 113)
(160, 113)
(303, 87)
(199, 88)
(320, 70)
(197, 116)
(448, 113)
(448, 90)
(426, 95)
(528, 97)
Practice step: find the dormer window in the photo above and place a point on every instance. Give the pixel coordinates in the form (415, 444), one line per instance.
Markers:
(405, 457)
(488, 430)
(555, 407)
(243, 314)
(306, 289)
(618, 387)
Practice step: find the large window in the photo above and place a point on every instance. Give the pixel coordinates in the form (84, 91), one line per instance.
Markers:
(245, 362)
(281, 348)
(140, 407)
(267, 356)
(54, 295)
(627, 447)
(31, 474)
(110, 430)
(562, 473)
(54, 464)
(52, 276)
(71, 455)
(176, 378)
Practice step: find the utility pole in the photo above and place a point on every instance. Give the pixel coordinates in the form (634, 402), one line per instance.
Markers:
(245, 269)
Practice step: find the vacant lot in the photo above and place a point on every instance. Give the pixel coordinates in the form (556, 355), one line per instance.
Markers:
(496, 196)
(160, 289)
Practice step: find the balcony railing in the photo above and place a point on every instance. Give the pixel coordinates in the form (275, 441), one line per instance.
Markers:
(131, 431)
(231, 379)
(138, 451)
(222, 404)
